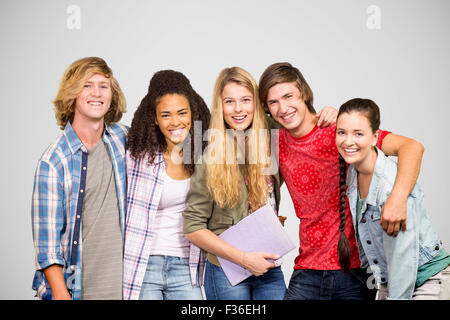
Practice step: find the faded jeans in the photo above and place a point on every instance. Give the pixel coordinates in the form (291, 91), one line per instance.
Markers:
(269, 286)
(168, 278)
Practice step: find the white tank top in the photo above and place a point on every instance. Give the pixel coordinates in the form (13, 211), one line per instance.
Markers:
(167, 237)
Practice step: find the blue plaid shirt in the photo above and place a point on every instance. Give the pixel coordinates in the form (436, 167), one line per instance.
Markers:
(57, 204)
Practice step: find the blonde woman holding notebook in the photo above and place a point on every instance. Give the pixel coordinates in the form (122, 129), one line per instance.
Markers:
(233, 181)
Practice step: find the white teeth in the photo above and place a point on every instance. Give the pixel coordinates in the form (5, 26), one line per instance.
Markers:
(287, 117)
(350, 150)
(239, 117)
(95, 103)
(177, 133)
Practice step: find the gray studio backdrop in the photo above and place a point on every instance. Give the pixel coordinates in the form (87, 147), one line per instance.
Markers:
(394, 52)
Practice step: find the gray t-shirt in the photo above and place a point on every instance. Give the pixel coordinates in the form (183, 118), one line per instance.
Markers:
(102, 235)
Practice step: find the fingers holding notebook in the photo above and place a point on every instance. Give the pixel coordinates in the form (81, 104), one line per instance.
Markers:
(257, 263)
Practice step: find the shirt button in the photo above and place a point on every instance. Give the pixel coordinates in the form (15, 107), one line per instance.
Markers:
(81, 190)
(75, 242)
(363, 220)
(383, 279)
(84, 168)
(437, 248)
(375, 261)
(369, 242)
(78, 216)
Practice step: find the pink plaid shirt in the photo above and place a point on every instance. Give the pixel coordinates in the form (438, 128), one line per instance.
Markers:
(145, 185)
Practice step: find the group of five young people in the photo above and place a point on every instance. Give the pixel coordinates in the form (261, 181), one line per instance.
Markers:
(164, 207)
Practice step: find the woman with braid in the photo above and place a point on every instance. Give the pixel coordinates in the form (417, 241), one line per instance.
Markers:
(413, 265)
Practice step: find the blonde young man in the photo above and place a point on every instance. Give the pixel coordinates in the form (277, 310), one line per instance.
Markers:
(78, 201)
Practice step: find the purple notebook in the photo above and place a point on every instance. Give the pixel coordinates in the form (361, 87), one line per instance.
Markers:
(260, 231)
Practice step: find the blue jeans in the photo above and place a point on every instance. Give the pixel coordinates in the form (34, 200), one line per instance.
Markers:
(168, 278)
(306, 284)
(269, 286)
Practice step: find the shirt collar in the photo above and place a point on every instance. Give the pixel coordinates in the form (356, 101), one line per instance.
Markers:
(375, 184)
(75, 143)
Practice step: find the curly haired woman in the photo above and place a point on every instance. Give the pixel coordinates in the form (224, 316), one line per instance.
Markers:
(159, 262)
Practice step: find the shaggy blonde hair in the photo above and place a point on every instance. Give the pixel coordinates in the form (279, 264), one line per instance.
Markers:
(224, 178)
(72, 83)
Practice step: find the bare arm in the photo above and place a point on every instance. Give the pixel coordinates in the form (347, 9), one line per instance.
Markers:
(409, 153)
(55, 278)
(255, 262)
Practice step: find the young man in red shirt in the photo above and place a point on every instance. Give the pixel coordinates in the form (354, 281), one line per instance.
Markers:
(309, 163)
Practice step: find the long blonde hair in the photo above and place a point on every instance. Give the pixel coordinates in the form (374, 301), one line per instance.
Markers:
(72, 83)
(224, 179)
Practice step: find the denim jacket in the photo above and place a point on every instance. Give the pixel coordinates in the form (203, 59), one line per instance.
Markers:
(393, 261)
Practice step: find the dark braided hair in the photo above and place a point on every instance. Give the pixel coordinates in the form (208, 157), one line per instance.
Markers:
(343, 245)
(372, 112)
(144, 137)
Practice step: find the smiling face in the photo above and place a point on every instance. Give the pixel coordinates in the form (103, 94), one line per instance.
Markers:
(287, 107)
(355, 138)
(173, 116)
(94, 100)
(238, 106)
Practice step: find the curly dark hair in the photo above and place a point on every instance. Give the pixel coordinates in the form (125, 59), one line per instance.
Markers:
(144, 137)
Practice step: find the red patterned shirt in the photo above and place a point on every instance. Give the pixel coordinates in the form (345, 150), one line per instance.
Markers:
(310, 167)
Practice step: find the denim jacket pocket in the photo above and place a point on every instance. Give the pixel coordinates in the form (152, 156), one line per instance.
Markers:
(427, 251)
(373, 213)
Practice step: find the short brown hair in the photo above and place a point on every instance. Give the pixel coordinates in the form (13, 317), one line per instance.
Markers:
(284, 72)
(72, 83)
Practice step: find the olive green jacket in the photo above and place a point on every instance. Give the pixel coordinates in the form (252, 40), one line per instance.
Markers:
(203, 213)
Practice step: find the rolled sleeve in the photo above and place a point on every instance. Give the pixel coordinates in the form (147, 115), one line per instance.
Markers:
(47, 216)
(382, 134)
(199, 203)
(46, 259)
